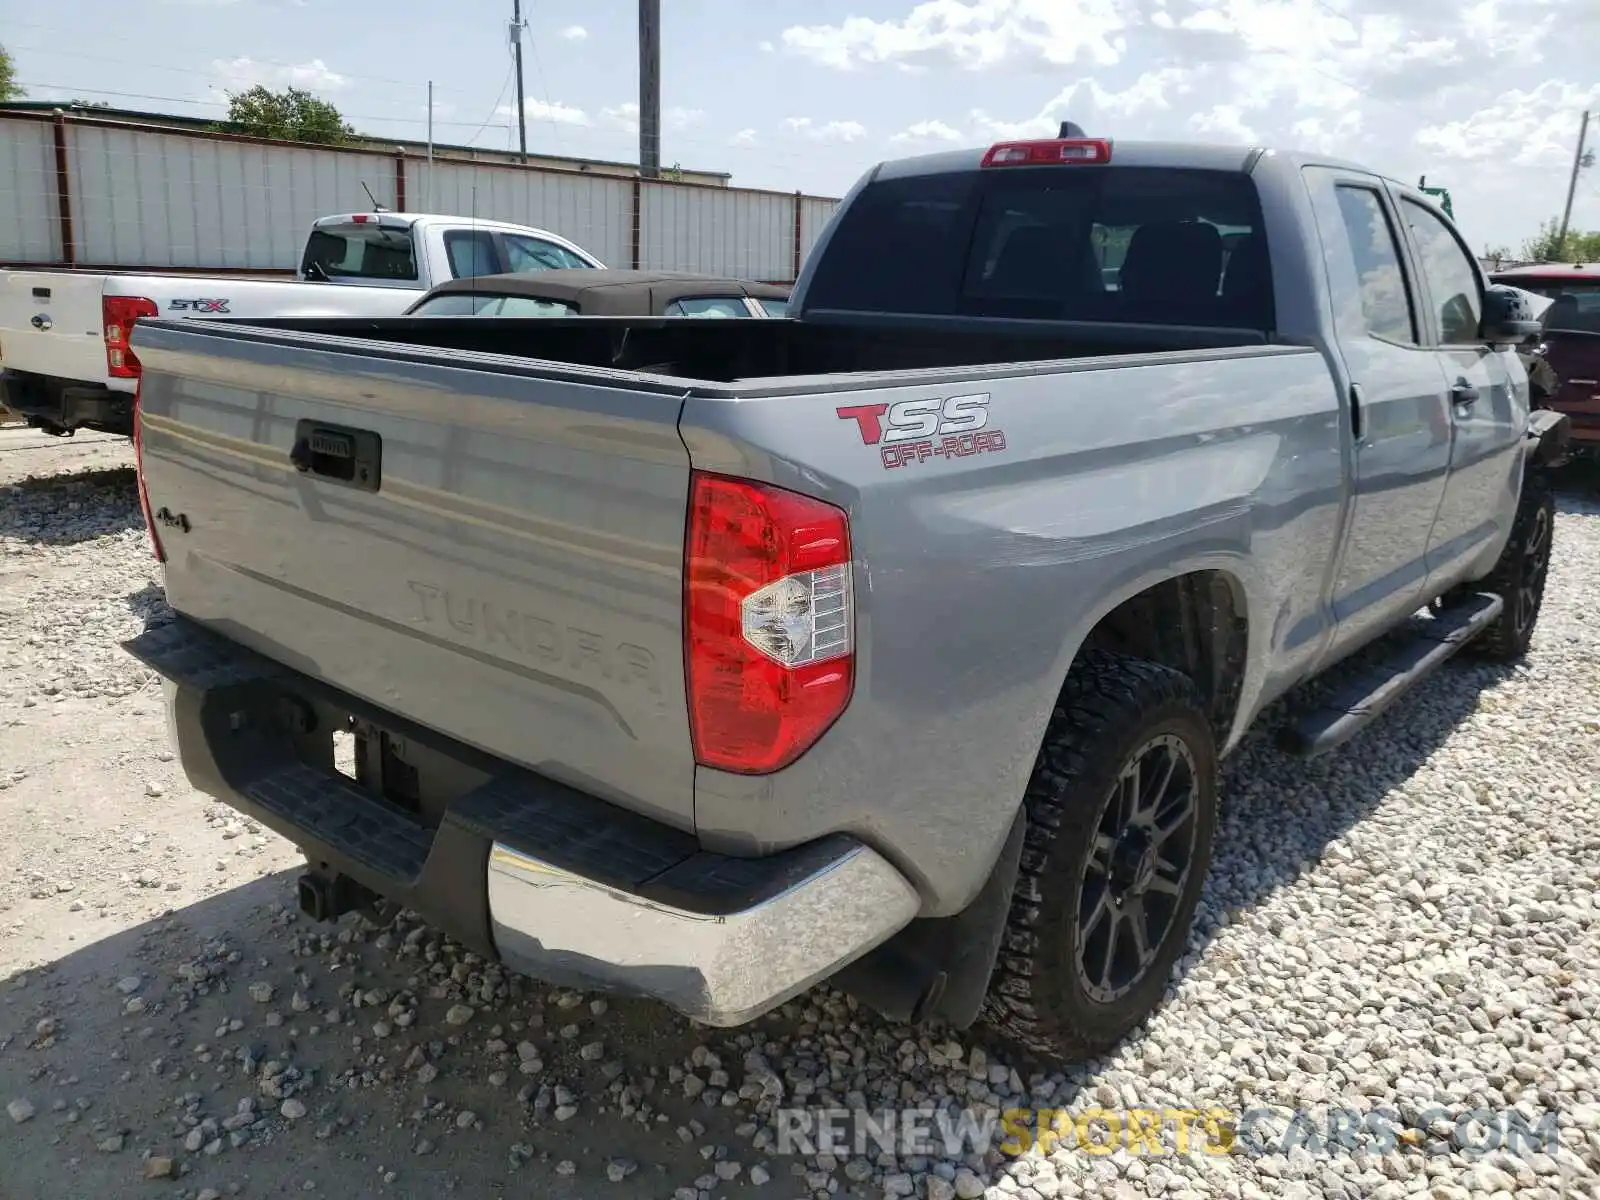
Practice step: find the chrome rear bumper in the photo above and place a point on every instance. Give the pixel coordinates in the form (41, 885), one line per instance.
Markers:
(783, 931)
(556, 883)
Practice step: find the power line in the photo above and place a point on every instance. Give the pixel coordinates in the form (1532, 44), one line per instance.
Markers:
(493, 112)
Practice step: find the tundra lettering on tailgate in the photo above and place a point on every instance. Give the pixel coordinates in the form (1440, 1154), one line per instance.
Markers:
(534, 638)
(917, 430)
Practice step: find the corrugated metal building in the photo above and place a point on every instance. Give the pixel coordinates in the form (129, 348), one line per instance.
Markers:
(99, 192)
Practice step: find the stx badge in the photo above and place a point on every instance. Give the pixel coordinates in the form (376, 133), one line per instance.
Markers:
(199, 306)
(917, 430)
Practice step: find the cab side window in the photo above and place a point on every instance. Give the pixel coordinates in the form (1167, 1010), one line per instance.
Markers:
(1451, 274)
(471, 253)
(1385, 298)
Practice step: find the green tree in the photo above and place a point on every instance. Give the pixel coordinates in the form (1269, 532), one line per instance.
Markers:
(291, 115)
(10, 89)
(1579, 247)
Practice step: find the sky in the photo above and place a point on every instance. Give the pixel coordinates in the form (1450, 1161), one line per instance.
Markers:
(1481, 96)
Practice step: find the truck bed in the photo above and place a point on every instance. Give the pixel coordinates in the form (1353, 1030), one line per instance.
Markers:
(716, 351)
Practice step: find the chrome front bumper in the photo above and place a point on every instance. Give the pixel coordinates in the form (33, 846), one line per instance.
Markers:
(788, 931)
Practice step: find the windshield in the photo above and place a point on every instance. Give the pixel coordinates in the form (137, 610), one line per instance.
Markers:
(360, 252)
(479, 304)
(774, 308)
(1574, 303)
(1130, 245)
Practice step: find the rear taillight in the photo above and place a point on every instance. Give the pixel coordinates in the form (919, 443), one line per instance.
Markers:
(138, 466)
(769, 622)
(117, 314)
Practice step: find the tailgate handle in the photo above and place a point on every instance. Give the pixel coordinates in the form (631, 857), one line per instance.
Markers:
(352, 457)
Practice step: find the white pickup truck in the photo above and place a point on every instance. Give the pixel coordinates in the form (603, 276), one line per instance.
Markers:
(65, 362)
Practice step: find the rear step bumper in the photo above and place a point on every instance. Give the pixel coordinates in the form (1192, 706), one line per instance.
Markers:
(56, 404)
(555, 883)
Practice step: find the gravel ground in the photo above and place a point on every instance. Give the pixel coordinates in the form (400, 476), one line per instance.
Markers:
(1410, 926)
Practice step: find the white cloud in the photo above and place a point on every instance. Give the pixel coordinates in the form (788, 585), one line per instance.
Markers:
(626, 116)
(767, 48)
(240, 74)
(831, 131)
(623, 116)
(744, 138)
(1524, 129)
(575, 33)
(551, 112)
(928, 131)
(1223, 123)
(1095, 108)
(970, 34)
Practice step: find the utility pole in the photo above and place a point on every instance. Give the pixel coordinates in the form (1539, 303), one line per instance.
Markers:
(516, 48)
(1572, 185)
(650, 88)
(430, 145)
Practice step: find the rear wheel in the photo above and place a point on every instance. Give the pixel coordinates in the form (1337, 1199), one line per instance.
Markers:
(1519, 576)
(1121, 809)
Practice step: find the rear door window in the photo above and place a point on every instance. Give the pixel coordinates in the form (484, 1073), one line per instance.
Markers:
(708, 306)
(1127, 245)
(451, 304)
(477, 304)
(527, 306)
(360, 252)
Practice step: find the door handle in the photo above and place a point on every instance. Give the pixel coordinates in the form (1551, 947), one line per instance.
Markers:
(1464, 393)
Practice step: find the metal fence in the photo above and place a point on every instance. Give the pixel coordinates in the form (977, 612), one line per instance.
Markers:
(93, 193)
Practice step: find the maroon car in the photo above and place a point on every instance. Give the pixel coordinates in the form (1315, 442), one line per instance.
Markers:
(1572, 340)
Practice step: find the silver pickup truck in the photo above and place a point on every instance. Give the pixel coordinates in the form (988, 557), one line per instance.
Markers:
(894, 644)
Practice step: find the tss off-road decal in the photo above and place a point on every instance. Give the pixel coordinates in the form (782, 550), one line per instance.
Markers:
(917, 430)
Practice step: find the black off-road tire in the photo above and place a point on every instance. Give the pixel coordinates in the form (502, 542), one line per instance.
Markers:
(1519, 576)
(1111, 706)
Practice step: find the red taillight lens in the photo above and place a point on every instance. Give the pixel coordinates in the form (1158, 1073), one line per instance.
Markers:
(1055, 151)
(770, 622)
(138, 466)
(117, 314)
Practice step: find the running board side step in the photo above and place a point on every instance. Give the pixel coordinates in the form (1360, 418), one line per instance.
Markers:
(1353, 705)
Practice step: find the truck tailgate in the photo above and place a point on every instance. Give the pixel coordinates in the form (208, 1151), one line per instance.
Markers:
(509, 573)
(50, 324)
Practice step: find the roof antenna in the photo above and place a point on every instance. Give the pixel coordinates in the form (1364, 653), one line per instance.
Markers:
(376, 207)
(1070, 129)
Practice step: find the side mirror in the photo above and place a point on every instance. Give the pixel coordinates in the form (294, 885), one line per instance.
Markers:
(1508, 318)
